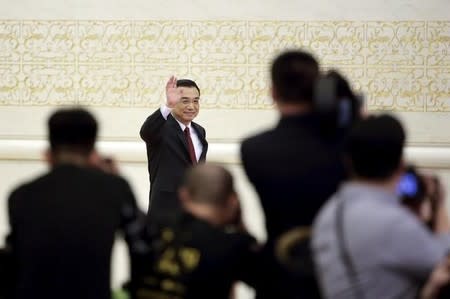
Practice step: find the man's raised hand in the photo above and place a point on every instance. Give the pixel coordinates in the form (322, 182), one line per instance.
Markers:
(172, 93)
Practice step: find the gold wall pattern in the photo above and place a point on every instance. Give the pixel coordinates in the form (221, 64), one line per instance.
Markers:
(401, 66)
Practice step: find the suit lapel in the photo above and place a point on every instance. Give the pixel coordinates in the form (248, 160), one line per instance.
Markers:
(202, 139)
(179, 133)
(180, 136)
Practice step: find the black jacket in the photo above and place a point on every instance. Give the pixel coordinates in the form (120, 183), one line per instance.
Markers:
(191, 259)
(168, 158)
(294, 168)
(63, 226)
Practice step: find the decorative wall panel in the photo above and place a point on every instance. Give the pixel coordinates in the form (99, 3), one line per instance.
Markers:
(400, 66)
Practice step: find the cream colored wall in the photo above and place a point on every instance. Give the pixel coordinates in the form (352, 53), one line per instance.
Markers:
(233, 9)
(114, 57)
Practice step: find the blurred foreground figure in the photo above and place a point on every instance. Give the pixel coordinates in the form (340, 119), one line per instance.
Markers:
(203, 252)
(366, 243)
(297, 165)
(64, 222)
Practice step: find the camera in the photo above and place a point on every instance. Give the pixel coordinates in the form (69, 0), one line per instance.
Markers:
(411, 188)
(421, 194)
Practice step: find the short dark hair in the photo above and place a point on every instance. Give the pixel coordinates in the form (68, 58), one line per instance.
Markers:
(294, 74)
(375, 147)
(72, 130)
(187, 83)
(209, 183)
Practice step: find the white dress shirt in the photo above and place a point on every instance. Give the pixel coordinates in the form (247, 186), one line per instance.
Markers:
(198, 147)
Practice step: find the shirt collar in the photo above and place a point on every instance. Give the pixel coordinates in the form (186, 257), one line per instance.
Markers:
(183, 126)
(354, 190)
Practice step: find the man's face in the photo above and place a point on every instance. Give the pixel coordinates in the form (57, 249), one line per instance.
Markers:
(188, 106)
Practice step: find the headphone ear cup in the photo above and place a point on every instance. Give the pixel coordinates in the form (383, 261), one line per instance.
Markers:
(337, 112)
(325, 96)
(344, 113)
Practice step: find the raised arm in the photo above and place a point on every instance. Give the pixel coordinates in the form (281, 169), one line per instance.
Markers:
(172, 93)
(438, 280)
(151, 129)
(132, 219)
(418, 251)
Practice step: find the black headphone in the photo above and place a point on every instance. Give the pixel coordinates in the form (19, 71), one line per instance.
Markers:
(337, 111)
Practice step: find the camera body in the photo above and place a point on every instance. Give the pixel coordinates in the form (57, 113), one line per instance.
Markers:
(412, 188)
(421, 194)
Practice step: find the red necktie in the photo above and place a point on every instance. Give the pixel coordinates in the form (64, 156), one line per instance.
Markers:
(187, 134)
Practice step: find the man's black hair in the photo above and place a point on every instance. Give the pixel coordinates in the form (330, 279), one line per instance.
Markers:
(375, 147)
(294, 74)
(187, 83)
(72, 130)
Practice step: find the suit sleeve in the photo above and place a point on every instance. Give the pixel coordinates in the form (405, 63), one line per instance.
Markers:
(417, 252)
(151, 129)
(13, 201)
(11, 210)
(132, 219)
(8, 258)
(244, 159)
(248, 267)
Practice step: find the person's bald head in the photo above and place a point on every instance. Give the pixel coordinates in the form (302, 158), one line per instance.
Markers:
(208, 183)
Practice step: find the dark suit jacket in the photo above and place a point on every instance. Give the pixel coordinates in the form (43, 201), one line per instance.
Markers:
(294, 170)
(168, 158)
(63, 226)
(207, 261)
